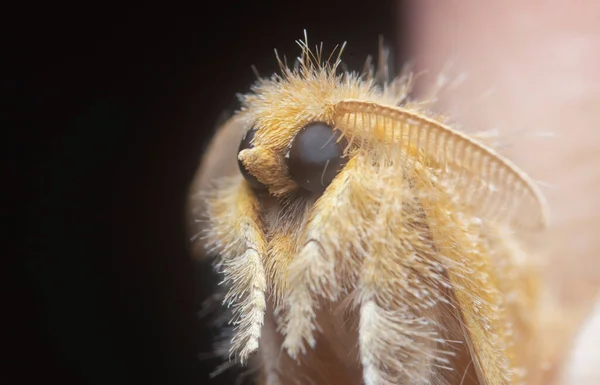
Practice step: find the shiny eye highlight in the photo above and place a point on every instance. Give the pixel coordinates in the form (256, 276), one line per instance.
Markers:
(246, 144)
(315, 156)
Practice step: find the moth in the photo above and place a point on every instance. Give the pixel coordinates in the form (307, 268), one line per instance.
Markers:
(363, 239)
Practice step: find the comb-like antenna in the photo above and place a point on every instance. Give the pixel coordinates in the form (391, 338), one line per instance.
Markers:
(512, 190)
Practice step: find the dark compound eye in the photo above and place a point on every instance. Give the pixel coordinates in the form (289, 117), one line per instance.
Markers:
(315, 156)
(245, 144)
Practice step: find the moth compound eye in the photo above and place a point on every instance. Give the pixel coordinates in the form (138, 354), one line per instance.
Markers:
(315, 156)
(246, 144)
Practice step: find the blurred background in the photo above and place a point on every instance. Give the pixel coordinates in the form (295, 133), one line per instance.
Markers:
(111, 107)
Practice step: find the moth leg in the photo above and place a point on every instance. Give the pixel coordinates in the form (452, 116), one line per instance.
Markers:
(238, 238)
(400, 293)
(327, 263)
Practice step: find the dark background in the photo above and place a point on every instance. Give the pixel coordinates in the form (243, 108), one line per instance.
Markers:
(111, 108)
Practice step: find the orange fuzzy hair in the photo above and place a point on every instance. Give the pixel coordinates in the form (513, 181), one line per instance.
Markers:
(405, 270)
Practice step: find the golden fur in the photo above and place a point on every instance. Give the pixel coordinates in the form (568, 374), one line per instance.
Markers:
(406, 270)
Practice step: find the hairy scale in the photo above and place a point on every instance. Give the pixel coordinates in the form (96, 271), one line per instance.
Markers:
(405, 270)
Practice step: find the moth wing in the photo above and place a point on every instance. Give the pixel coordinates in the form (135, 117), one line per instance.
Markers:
(219, 160)
(474, 281)
(474, 337)
(480, 304)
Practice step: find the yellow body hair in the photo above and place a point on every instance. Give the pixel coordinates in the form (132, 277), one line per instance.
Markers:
(405, 270)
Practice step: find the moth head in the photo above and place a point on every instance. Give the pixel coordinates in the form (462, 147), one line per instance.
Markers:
(305, 123)
(292, 140)
(314, 156)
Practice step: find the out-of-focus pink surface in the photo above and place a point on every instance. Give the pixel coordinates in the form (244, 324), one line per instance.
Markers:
(541, 61)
